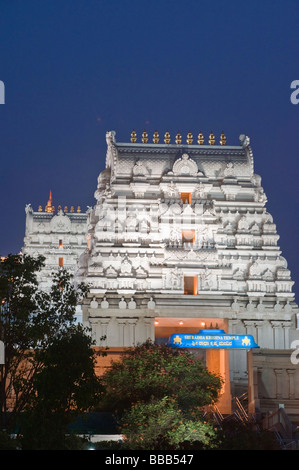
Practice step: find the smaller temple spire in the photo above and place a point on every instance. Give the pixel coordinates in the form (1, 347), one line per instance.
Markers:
(49, 207)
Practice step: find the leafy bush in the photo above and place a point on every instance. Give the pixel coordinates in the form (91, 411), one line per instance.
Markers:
(159, 423)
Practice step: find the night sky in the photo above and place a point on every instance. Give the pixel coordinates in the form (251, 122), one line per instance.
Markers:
(74, 69)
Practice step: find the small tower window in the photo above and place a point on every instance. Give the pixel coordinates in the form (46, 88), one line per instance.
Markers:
(190, 285)
(188, 236)
(60, 262)
(186, 198)
(60, 244)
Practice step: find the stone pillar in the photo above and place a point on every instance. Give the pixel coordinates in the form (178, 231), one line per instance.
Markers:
(126, 328)
(250, 327)
(279, 384)
(121, 323)
(260, 337)
(253, 385)
(291, 375)
(217, 361)
(237, 360)
(149, 329)
(286, 328)
(278, 339)
(101, 331)
(131, 324)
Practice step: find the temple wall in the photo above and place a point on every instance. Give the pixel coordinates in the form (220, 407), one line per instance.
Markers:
(274, 381)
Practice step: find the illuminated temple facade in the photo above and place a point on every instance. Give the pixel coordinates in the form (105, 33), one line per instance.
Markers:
(179, 240)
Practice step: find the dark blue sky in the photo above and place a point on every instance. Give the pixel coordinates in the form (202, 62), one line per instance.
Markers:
(77, 68)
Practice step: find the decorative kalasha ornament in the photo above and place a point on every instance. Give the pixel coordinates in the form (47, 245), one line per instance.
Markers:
(222, 139)
(156, 137)
(189, 138)
(65, 208)
(167, 138)
(133, 136)
(178, 139)
(144, 137)
(200, 138)
(211, 139)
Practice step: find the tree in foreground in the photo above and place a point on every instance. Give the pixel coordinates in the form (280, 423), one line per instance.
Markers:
(39, 333)
(65, 387)
(158, 394)
(161, 425)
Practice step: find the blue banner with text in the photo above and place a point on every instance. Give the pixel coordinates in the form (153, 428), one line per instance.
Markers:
(216, 339)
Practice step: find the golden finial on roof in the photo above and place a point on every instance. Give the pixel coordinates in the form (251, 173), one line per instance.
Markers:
(211, 139)
(222, 139)
(59, 208)
(48, 207)
(178, 139)
(189, 138)
(40, 209)
(133, 136)
(144, 137)
(78, 209)
(156, 137)
(72, 208)
(65, 208)
(200, 139)
(167, 138)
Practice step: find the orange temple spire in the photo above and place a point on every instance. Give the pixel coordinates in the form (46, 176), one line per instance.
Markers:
(49, 203)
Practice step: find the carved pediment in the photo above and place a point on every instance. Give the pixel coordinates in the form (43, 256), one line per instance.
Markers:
(185, 166)
(60, 223)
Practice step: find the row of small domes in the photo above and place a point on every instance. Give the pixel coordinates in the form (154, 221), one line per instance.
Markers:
(178, 138)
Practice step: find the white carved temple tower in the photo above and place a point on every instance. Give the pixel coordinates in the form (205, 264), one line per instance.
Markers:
(180, 239)
(59, 234)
